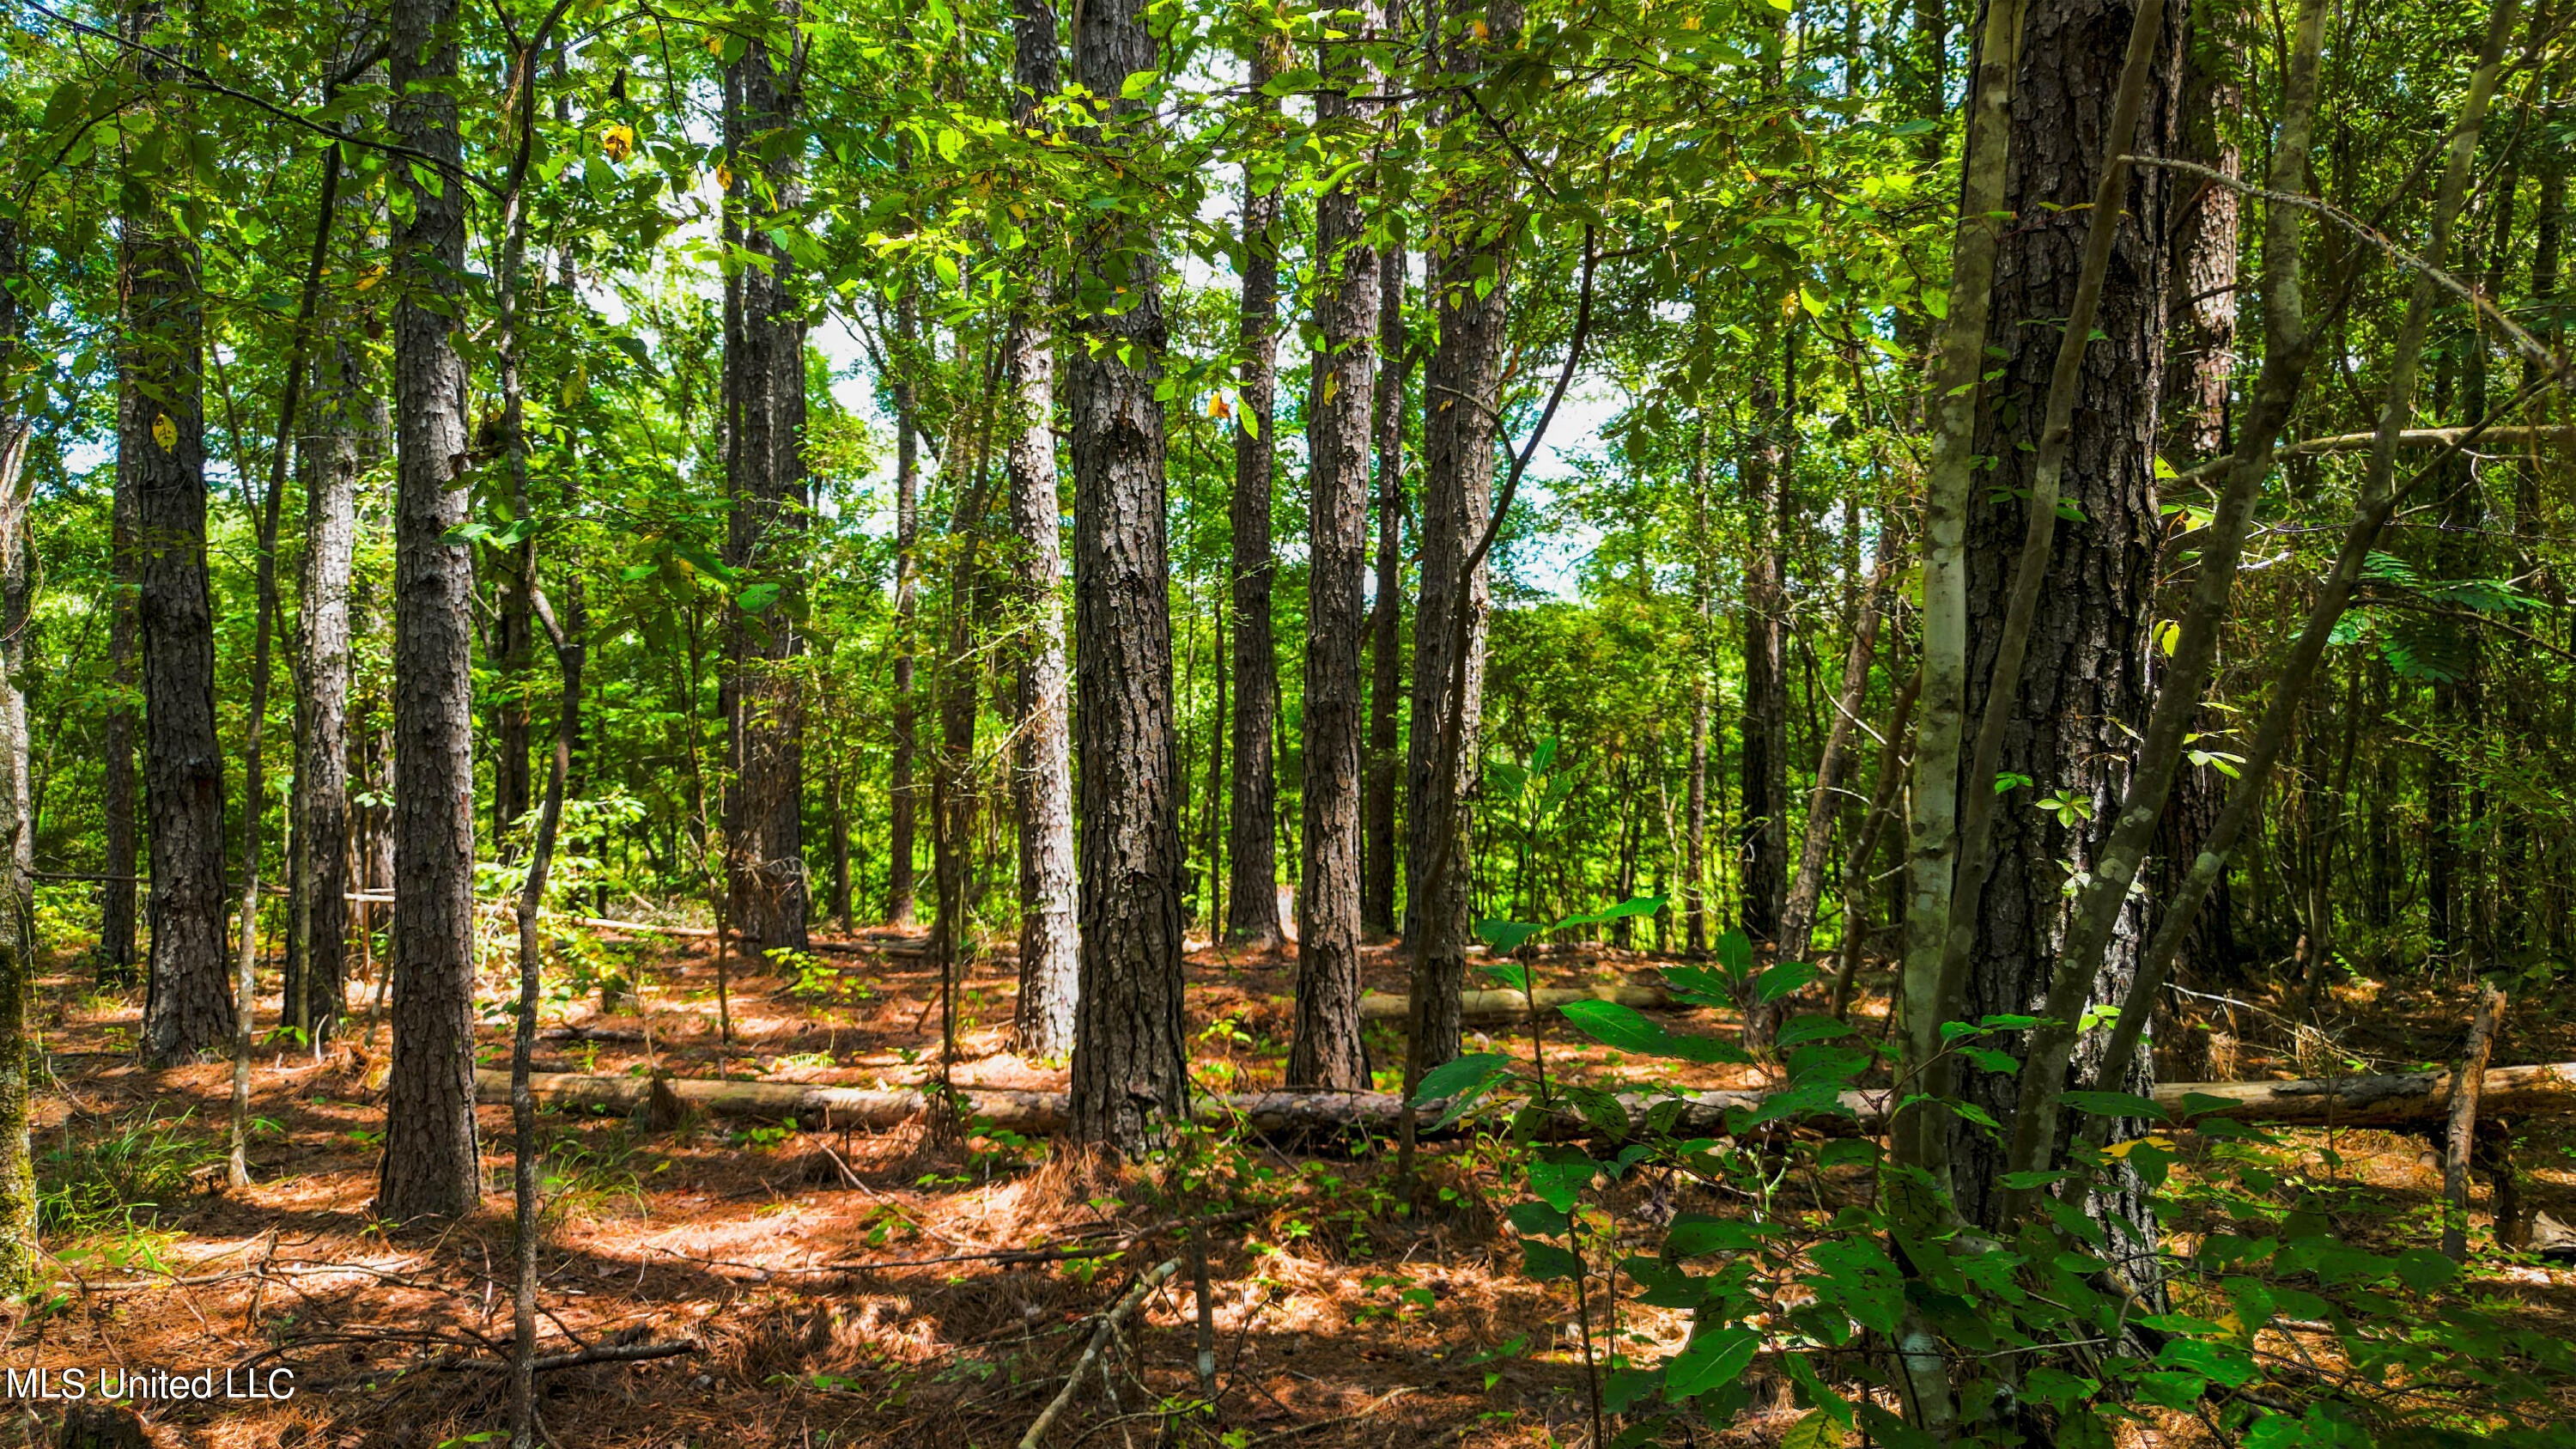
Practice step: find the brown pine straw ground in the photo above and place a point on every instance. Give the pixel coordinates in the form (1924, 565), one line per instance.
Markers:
(1338, 1321)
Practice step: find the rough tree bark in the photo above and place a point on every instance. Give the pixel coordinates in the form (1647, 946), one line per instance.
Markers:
(765, 471)
(1378, 849)
(1326, 1050)
(1470, 286)
(1252, 882)
(2084, 683)
(188, 1010)
(1695, 786)
(432, 1164)
(1130, 1055)
(117, 894)
(18, 1250)
(1042, 785)
(2200, 358)
(902, 795)
(319, 945)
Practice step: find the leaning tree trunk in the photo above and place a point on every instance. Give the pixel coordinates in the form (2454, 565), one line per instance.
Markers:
(1252, 848)
(1326, 1050)
(1386, 619)
(2085, 686)
(1461, 395)
(188, 1011)
(432, 1164)
(1042, 786)
(1695, 825)
(764, 462)
(1130, 1055)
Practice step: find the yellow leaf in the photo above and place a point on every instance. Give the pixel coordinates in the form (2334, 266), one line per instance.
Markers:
(165, 432)
(2121, 1150)
(1690, 22)
(1481, 32)
(724, 177)
(371, 276)
(715, 45)
(1332, 386)
(618, 142)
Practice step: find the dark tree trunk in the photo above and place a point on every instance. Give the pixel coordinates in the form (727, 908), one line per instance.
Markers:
(432, 1163)
(1326, 1050)
(1764, 845)
(1042, 785)
(117, 894)
(2085, 683)
(1461, 390)
(2200, 358)
(188, 1013)
(764, 464)
(901, 793)
(1130, 1055)
(1252, 887)
(321, 845)
(1378, 850)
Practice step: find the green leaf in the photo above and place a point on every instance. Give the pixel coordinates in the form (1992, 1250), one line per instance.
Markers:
(1811, 1028)
(1785, 979)
(1816, 1431)
(1734, 953)
(2424, 1270)
(1546, 1262)
(1634, 906)
(2114, 1104)
(1534, 1219)
(1622, 1027)
(1458, 1077)
(1693, 1234)
(1560, 1184)
(1505, 937)
(1711, 1361)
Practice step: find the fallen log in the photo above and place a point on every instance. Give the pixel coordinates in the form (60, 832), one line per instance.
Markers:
(1512, 1006)
(2411, 1100)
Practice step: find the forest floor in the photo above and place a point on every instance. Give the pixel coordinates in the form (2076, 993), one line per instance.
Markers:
(841, 1287)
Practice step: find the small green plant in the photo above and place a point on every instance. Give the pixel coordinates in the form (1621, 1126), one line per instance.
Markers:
(133, 1172)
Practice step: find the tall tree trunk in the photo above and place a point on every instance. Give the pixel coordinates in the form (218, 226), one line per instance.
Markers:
(2200, 359)
(901, 792)
(2084, 687)
(1378, 849)
(321, 845)
(318, 935)
(117, 894)
(188, 1013)
(1764, 845)
(765, 373)
(19, 1255)
(1130, 1055)
(1252, 886)
(1470, 285)
(1702, 688)
(1326, 1050)
(1042, 785)
(432, 1163)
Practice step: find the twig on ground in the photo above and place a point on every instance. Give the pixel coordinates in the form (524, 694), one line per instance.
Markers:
(1100, 1337)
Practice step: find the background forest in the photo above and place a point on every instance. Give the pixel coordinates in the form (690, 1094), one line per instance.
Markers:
(1579, 615)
